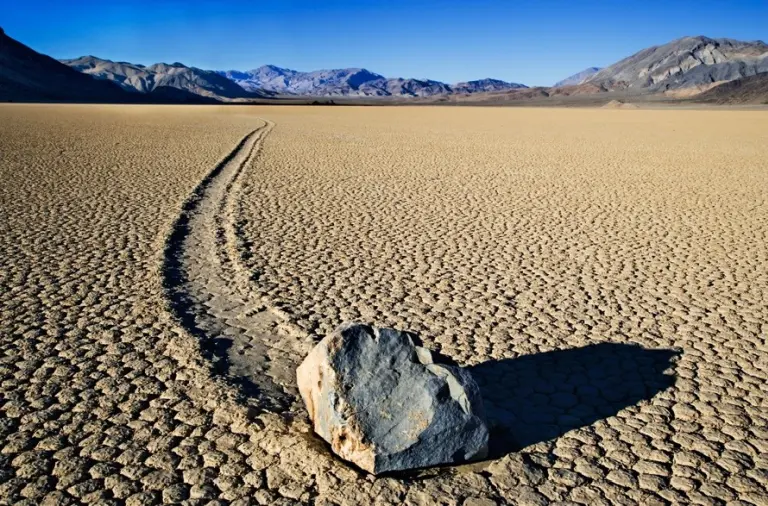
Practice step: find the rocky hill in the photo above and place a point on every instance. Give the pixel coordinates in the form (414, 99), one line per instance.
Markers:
(145, 79)
(747, 90)
(485, 85)
(26, 75)
(685, 63)
(578, 78)
(400, 87)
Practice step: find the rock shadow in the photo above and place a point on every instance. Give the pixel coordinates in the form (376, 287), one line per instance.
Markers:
(539, 397)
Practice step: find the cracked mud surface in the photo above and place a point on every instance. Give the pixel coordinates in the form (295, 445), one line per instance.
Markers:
(165, 268)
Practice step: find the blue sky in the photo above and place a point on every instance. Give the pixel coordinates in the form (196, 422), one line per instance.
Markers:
(532, 42)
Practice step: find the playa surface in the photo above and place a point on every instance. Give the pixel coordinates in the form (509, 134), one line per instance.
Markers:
(165, 268)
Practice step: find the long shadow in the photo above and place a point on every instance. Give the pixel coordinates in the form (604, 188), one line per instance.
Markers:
(539, 397)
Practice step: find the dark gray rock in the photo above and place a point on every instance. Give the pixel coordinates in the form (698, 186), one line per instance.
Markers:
(385, 405)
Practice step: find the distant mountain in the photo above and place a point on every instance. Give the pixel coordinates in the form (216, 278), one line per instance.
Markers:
(485, 85)
(578, 78)
(746, 90)
(684, 63)
(146, 79)
(400, 87)
(266, 77)
(275, 79)
(26, 75)
(352, 82)
(681, 68)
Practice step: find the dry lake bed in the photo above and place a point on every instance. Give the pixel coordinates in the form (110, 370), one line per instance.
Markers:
(164, 269)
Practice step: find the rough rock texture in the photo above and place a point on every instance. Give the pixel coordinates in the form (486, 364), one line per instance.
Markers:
(382, 402)
(708, 75)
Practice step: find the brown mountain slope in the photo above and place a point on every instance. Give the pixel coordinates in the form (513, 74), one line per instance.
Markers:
(747, 90)
(26, 75)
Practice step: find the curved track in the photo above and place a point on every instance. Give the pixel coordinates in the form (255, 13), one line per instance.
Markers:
(210, 291)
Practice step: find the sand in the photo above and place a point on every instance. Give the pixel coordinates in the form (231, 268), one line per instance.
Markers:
(618, 104)
(164, 269)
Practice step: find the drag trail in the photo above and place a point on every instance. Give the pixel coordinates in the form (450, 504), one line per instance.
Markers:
(211, 294)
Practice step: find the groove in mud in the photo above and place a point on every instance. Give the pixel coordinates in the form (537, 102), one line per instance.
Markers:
(209, 292)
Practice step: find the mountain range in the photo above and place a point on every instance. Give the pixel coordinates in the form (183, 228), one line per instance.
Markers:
(686, 65)
(683, 67)
(354, 82)
(146, 79)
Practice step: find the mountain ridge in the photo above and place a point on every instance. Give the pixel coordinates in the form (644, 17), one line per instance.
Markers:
(147, 78)
(26, 75)
(673, 65)
(352, 81)
(681, 68)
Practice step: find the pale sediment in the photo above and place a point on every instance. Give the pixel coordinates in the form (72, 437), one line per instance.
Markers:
(602, 273)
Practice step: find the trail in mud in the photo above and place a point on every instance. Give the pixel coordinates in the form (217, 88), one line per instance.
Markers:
(211, 293)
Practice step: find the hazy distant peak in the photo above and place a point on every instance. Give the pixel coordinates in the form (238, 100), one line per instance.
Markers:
(160, 67)
(273, 68)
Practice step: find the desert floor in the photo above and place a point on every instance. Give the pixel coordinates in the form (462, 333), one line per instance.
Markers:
(163, 270)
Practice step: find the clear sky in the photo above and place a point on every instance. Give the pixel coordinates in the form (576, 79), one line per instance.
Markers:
(532, 42)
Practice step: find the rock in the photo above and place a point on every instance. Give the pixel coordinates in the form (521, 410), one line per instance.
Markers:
(383, 403)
